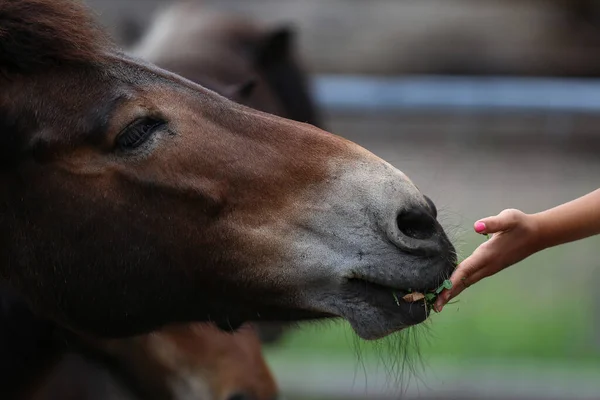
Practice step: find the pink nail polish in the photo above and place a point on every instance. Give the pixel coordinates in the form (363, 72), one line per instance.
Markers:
(479, 227)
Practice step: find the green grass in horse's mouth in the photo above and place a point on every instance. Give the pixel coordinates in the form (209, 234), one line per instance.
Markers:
(428, 298)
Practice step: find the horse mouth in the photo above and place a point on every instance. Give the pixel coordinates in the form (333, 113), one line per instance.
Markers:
(385, 295)
(376, 309)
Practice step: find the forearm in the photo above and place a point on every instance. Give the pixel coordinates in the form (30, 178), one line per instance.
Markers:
(575, 220)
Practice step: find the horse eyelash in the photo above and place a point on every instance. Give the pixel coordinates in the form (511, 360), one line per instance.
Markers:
(137, 133)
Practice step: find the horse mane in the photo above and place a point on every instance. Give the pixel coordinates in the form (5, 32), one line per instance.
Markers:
(36, 34)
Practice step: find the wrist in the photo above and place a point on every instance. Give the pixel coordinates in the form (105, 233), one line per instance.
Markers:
(540, 230)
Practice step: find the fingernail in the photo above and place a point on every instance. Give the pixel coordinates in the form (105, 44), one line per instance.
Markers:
(479, 227)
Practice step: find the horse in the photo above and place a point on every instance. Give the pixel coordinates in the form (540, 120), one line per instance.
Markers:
(211, 47)
(254, 64)
(398, 37)
(190, 362)
(40, 361)
(133, 198)
(197, 360)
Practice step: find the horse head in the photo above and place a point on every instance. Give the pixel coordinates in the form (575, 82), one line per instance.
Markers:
(132, 198)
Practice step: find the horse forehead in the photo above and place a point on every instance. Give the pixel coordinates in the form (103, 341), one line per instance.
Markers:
(138, 71)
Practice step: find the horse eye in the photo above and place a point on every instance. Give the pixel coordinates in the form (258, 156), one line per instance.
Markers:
(138, 132)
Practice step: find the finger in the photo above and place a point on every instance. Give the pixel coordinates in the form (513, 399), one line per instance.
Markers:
(465, 283)
(446, 295)
(440, 302)
(501, 222)
(463, 277)
(459, 277)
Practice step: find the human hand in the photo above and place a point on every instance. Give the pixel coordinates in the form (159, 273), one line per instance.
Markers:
(515, 236)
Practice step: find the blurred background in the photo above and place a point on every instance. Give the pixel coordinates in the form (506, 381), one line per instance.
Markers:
(486, 105)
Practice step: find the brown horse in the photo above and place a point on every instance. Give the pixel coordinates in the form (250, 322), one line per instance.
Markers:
(133, 198)
(214, 48)
(194, 362)
(197, 361)
(391, 37)
(40, 361)
(248, 62)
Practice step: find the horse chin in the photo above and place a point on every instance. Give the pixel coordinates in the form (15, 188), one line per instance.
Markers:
(378, 311)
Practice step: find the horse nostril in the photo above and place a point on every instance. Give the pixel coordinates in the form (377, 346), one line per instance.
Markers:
(416, 224)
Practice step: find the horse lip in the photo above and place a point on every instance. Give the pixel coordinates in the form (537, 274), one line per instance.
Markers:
(395, 294)
(394, 313)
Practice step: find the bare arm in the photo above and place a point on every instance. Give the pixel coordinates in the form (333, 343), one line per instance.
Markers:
(517, 235)
(575, 220)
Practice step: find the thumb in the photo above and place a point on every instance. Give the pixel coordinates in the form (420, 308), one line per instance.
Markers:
(501, 222)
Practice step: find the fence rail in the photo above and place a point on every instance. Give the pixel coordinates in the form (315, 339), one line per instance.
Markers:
(476, 94)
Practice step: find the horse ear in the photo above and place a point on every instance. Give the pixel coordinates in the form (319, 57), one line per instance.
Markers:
(275, 46)
(239, 93)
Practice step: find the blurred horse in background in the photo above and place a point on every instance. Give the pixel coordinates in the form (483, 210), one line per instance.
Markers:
(225, 52)
(396, 37)
(178, 363)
